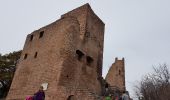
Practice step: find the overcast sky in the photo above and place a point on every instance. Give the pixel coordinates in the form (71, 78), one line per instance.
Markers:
(138, 30)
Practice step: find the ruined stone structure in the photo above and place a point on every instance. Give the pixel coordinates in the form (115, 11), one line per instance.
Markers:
(67, 54)
(116, 76)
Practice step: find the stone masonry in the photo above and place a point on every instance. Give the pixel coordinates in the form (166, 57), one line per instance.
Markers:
(67, 54)
(116, 75)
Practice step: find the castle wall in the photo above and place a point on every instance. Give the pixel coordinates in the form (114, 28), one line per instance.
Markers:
(116, 75)
(56, 45)
(66, 54)
(91, 44)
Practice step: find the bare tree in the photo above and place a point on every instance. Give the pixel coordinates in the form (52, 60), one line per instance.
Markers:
(156, 85)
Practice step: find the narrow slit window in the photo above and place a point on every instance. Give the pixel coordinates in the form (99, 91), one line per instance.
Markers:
(25, 56)
(89, 60)
(41, 34)
(35, 56)
(31, 38)
(119, 72)
(79, 54)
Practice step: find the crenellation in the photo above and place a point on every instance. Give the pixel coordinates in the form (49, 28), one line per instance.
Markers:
(116, 75)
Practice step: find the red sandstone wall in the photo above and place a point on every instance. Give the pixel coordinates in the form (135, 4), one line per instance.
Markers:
(116, 75)
(57, 62)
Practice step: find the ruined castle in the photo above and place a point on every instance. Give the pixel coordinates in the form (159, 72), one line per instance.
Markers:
(67, 55)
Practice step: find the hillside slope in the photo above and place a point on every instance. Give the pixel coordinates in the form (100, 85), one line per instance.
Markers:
(7, 70)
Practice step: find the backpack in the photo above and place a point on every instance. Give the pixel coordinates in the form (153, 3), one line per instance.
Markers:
(29, 98)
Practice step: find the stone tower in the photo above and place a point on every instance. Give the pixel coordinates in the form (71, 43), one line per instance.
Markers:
(67, 54)
(116, 75)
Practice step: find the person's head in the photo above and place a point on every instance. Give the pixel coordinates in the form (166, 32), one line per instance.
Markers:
(124, 91)
(41, 88)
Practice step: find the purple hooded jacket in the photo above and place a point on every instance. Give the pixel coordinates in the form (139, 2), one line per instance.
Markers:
(40, 95)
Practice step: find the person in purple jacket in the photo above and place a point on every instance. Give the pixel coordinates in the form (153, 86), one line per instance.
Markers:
(40, 95)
